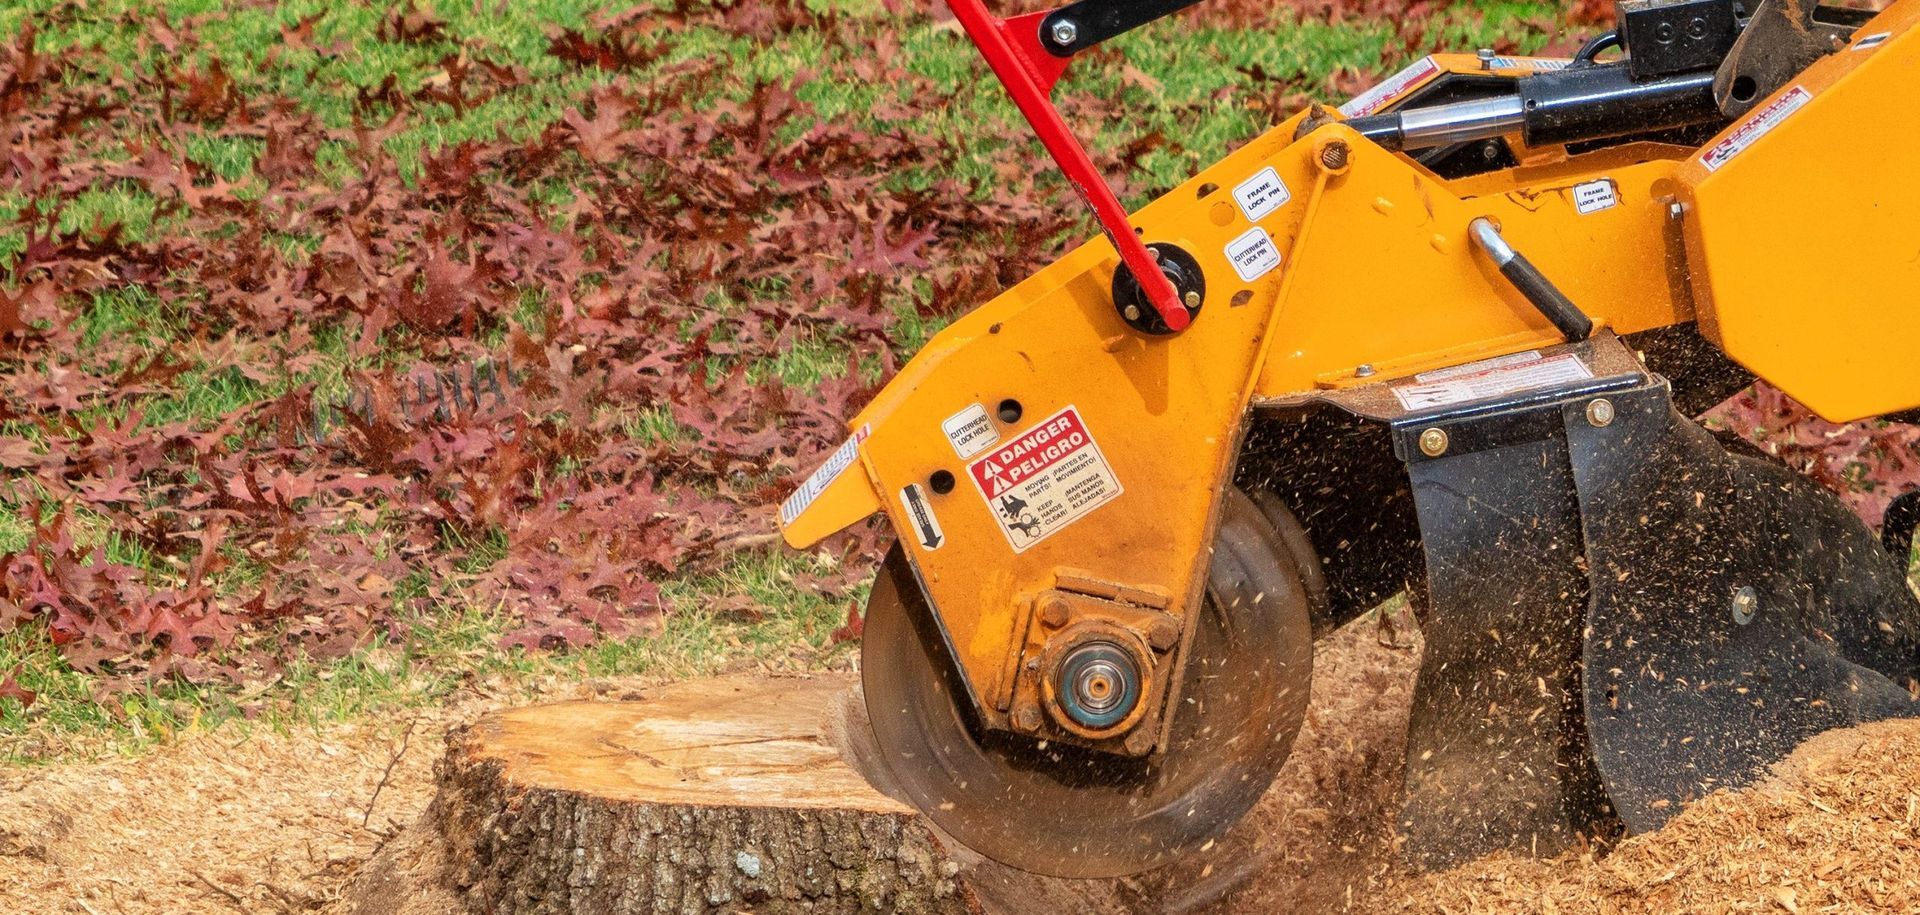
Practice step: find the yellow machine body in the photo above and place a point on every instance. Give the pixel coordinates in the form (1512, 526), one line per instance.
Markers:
(1803, 238)
(1802, 253)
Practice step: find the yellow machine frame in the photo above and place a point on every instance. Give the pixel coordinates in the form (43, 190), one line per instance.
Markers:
(1799, 241)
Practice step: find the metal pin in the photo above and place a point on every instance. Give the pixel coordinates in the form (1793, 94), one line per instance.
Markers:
(1600, 412)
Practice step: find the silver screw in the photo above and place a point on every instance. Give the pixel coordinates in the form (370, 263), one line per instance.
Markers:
(1746, 602)
(1486, 58)
(1064, 32)
(1433, 442)
(1364, 371)
(1132, 312)
(1600, 412)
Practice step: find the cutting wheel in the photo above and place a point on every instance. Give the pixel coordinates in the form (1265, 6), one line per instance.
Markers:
(1071, 812)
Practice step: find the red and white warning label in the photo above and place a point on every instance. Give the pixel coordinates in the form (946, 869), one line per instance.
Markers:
(1391, 88)
(1044, 479)
(1490, 378)
(1757, 125)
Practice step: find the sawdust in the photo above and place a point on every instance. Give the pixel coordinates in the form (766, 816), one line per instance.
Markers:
(280, 823)
(1837, 828)
(262, 824)
(1325, 829)
(225, 822)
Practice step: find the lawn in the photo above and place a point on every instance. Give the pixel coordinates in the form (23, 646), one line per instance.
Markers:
(352, 353)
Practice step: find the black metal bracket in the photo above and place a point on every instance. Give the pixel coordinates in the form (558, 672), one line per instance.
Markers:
(1078, 26)
(1624, 616)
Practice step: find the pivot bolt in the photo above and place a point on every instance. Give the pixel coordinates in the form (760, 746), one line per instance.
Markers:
(1433, 442)
(1064, 32)
(1163, 634)
(1600, 412)
(1026, 718)
(1054, 610)
(1334, 155)
(1746, 603)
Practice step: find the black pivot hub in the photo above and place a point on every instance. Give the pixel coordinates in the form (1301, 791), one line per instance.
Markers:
(1181, 270)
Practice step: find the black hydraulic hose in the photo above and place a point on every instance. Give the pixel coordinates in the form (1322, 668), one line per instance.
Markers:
(1566, 316)
(1594, 46)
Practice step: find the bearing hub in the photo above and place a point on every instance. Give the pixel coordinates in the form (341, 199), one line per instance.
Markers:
(1099, 684)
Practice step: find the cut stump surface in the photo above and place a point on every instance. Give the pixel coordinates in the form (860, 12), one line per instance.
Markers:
(734, 794)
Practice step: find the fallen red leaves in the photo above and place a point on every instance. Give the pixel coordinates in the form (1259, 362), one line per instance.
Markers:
(694, 241)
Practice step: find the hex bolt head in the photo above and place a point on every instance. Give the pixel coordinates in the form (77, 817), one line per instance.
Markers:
(1746, 603)
(1486, 58)
(1054, 610)
(1433, 442)
(1163, 634)
(1193, 300)
(1600, 412)
(1132, 312)
(1064, 32)
(1140, 742)
(1026, 718)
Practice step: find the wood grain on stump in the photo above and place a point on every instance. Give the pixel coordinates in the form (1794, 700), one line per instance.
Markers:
(742, 794)
(712, 795)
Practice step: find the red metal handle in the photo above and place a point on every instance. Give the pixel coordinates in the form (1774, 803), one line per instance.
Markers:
(1028, 71)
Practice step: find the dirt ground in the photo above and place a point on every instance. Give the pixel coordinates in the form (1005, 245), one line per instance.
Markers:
(275, 823)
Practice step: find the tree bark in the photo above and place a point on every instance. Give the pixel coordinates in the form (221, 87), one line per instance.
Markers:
(742, 794)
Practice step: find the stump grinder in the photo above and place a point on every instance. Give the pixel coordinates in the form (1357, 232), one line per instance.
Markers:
(1446, 340)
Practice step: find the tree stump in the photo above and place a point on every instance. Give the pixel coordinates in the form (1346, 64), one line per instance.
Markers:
(735, 794)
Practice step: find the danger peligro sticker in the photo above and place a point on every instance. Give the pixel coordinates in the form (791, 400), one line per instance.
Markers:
(1046, 478)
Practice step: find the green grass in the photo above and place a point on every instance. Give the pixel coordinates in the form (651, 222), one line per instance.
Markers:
(442, 654)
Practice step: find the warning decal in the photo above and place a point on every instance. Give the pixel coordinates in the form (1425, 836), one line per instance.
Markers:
(1594, 196)
(1440, 389)
(1529, 63)
(1871, 41)
(1379, 96)
(1044, 479)
(1253, 254)
(837, 463)
(1261, 194)
(970, 431)
(1755, 127)
(926, 527)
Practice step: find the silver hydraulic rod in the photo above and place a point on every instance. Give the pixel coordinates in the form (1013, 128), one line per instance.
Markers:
(1460, 122)
(1554, 106)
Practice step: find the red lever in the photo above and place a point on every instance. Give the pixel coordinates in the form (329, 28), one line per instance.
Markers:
(1028, 71)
